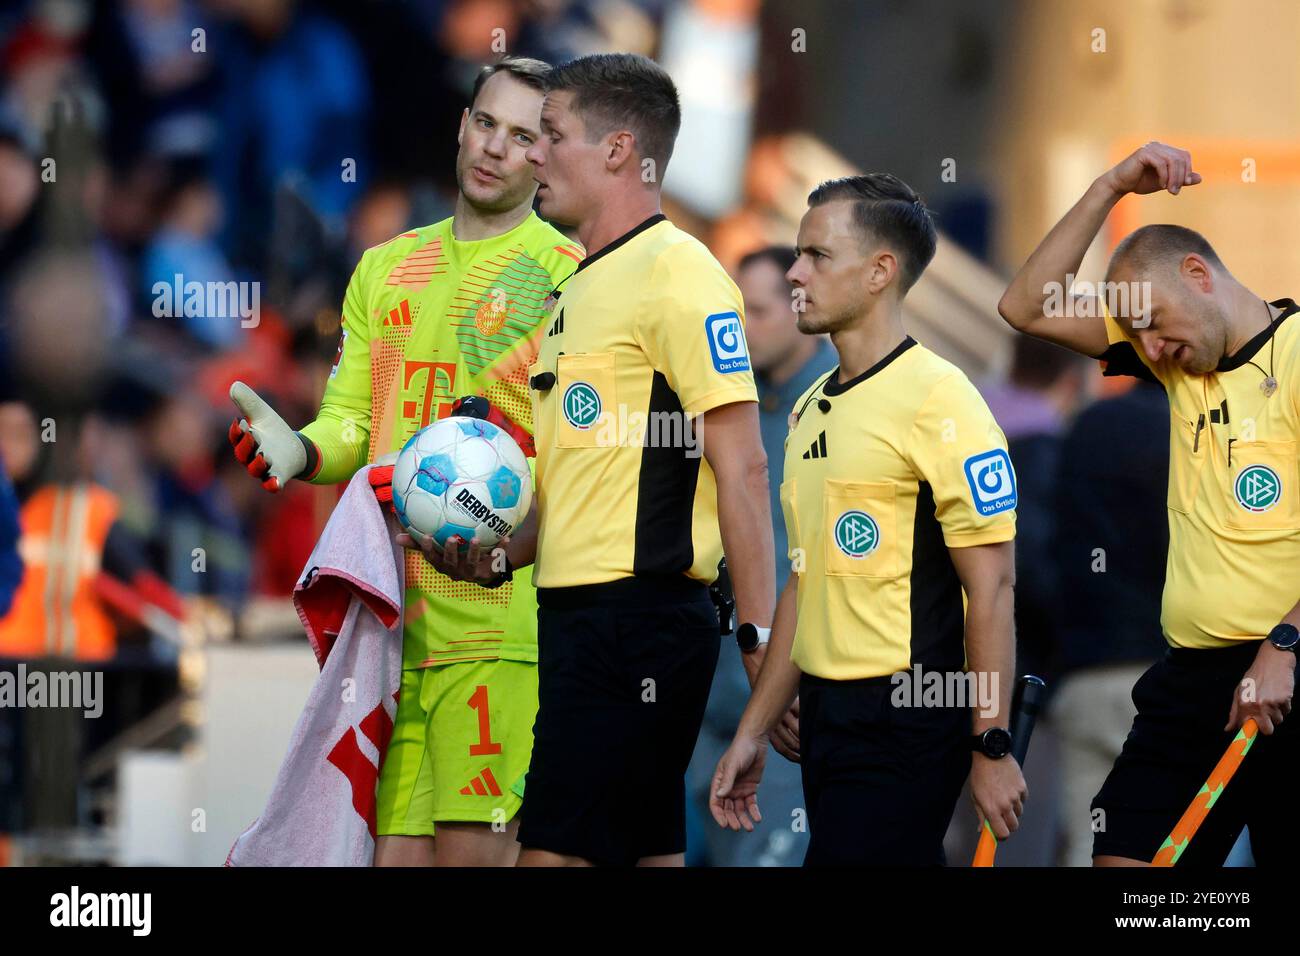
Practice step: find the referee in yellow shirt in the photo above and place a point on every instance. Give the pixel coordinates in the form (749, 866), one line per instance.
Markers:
(648, 460)
(899, 496)
(1170, 311)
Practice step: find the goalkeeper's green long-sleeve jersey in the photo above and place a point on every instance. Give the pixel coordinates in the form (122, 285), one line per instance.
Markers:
(427, 319)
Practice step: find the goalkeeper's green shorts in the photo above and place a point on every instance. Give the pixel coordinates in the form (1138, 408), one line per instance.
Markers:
(461, 742)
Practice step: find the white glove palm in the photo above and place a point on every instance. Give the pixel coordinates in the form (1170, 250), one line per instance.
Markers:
(263, 442)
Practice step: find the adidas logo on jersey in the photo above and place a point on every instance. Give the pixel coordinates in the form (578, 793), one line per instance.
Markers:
(818, 449)
(558, 325)
(482, 785)
(400, 315)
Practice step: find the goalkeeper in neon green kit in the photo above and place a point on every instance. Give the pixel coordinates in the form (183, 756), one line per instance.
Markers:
(452, 309)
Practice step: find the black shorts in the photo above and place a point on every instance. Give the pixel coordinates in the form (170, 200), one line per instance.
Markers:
(623, 675)
(880, 781)
(1183, 702)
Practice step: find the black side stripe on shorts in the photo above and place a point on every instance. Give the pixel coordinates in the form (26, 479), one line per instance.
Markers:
(665, 495)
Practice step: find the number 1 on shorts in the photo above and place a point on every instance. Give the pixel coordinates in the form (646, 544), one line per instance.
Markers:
(485, 747)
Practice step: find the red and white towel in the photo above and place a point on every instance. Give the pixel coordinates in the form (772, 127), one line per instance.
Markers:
(321, 811)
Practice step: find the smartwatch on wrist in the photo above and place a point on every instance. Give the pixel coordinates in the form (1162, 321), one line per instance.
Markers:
(994, 743)
(749, 637)
(1284, 637)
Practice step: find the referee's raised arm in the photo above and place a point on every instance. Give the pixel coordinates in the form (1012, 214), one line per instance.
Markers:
(1035, 301)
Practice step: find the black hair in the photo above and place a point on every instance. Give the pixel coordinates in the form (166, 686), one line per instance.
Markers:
(614, 91)
(887, 209)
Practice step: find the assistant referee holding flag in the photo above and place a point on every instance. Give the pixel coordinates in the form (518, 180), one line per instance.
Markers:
(1171, 312)
(898, 496)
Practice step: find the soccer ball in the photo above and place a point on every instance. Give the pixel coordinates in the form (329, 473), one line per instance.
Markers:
(461, 476)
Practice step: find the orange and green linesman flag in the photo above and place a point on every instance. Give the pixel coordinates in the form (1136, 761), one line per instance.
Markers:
(1178, 840)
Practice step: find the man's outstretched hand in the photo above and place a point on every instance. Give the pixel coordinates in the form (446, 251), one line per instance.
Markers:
(733, 797)
(270, 450)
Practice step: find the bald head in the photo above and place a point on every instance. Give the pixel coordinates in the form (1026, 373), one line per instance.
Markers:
(1160, 249)
(1180, 297)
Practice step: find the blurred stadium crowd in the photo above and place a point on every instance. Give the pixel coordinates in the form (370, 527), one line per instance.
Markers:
(146, 139)
(171, 163)
(126, 160)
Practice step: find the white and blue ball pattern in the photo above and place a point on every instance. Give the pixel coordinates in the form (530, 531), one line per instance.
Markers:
(461, 476)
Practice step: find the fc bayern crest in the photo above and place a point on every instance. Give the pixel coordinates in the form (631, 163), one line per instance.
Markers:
(491, 314)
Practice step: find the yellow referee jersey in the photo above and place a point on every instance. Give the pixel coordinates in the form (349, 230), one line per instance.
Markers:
(884, 473)
(646, 334)
(1233, 569)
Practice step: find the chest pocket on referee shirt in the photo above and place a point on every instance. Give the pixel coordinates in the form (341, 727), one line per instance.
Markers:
(1263, 487)
(1187, 454)
(860, 529)
(584, 385)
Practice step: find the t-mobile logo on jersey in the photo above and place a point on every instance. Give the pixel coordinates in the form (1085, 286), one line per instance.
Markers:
(428, 381)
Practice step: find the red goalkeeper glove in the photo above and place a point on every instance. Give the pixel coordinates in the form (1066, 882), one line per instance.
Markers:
(381, 480)
(472, 406)
(476, 406)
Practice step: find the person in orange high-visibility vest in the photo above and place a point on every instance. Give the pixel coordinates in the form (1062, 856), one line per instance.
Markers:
(11, 565)
(56, 611)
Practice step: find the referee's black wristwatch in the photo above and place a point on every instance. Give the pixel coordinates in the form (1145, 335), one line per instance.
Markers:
(750, 637)
(994, 743)
(1284, 637)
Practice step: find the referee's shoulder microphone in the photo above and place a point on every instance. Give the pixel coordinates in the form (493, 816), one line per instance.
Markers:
(824, 405)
